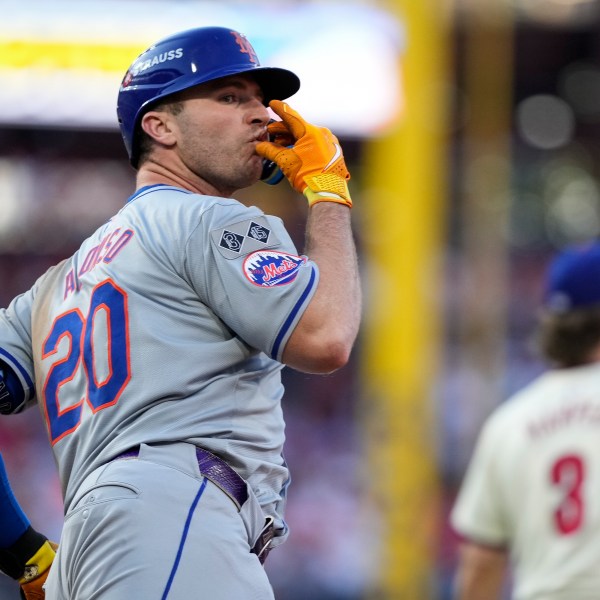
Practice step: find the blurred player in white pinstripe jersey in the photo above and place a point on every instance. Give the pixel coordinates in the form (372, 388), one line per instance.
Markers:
(529, 501)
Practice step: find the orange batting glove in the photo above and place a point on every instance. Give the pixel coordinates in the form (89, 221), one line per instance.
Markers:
(314, 165)
(36, 572)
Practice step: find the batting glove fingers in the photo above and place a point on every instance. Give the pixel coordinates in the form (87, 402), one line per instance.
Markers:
(315, 164)
(280, 134)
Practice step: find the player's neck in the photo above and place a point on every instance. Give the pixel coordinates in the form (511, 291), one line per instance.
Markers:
(152, 173)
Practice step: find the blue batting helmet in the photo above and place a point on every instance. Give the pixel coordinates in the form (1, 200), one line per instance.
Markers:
(184, 60)
(573, 278)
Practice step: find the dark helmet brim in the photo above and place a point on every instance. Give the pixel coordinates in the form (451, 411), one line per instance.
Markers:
(276, 83)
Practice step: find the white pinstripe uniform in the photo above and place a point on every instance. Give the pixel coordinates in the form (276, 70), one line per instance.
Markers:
(533, 486)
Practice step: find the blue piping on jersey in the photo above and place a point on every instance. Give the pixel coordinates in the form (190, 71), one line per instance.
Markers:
(17, 364)
(288, 322)
(186, 530)
(150, 188)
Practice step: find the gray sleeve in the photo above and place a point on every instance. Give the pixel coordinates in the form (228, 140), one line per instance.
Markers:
(245, 267)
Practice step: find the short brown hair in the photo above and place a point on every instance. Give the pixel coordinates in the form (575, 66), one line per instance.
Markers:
(568, 339)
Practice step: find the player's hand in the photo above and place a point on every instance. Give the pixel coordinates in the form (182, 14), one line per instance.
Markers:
(314, 165)
(36, 572)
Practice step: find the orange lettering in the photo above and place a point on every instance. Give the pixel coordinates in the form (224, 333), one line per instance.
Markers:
(245, 46)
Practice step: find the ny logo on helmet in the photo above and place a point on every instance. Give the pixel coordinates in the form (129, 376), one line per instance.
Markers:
(245, 46)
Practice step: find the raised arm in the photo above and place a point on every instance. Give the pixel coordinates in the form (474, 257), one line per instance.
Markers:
(324, 336)
(312, 160)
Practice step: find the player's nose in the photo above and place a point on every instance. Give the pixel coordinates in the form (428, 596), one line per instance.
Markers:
(258, 112)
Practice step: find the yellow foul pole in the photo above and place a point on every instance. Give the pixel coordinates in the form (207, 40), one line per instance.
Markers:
(405, 191)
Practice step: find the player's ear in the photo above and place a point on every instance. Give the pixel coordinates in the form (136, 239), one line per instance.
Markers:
(159, 125)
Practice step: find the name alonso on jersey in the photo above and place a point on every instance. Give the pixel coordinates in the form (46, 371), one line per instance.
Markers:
(106, 251)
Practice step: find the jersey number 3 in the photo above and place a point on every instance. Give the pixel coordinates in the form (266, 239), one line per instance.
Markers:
(109, 302)
(568, 473)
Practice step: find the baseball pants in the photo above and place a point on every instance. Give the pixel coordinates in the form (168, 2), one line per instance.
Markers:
(153, 528)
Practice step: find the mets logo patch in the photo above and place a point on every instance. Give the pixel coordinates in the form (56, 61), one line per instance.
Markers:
(267, 268)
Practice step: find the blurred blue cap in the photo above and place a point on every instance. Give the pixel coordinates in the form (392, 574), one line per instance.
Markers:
(573, 278)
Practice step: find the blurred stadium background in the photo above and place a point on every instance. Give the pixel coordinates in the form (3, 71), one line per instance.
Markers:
(471, 128)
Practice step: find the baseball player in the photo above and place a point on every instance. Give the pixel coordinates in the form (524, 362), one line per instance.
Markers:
(25, 554)
(155, 351)
(530, 496)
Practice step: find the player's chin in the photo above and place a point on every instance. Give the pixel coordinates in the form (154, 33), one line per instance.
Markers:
(246, 176)
(254, 168)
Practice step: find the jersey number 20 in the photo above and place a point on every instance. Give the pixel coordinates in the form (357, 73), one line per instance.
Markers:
(83, 348)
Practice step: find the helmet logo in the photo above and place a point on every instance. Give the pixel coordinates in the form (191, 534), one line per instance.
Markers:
(245, 46)
(127, 79)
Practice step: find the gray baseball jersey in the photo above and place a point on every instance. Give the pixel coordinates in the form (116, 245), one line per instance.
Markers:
(533, 486)
(167, 325)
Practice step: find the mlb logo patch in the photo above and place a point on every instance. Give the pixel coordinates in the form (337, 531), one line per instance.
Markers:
(268, 268)
(231, 241)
